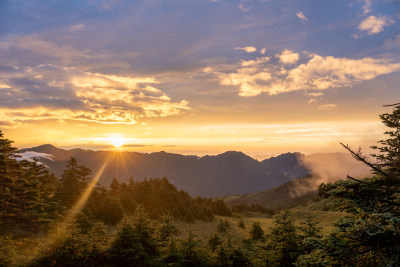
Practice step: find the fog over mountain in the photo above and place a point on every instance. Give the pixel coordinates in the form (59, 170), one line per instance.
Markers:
(229, 173)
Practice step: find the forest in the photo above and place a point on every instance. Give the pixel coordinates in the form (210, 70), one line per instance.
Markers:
(73, 221)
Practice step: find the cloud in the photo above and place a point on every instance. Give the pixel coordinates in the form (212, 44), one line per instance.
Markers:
(247, 49)
(31, 155)
(288, 57)
(66, 93)
(319, 73)
(301, 16)
(373, 25)
(367, 6)
(327, 107)
(263, 50)
(244, 8)
(78, 27)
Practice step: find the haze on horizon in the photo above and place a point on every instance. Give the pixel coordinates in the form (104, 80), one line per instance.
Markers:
(198, 77)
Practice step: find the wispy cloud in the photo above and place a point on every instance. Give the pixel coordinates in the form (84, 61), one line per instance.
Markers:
(373, 25)
(367, 4)
(247, 49)
(301, 16)
(78, 27)
(318, 73)
(327, 107)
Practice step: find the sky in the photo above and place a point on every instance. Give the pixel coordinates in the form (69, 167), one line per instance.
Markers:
(198, 77)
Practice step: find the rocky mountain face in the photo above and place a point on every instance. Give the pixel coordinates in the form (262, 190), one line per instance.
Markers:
(230, 173)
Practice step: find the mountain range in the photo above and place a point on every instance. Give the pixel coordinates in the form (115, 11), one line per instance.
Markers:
(229, 173)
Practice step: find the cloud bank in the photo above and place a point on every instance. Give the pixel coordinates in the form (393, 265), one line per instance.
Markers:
(68, 87)
(316, 73)
(67, 93)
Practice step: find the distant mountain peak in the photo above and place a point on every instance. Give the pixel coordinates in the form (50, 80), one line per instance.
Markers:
(46, 146)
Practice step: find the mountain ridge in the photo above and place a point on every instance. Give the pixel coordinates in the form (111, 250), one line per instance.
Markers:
(231, 172)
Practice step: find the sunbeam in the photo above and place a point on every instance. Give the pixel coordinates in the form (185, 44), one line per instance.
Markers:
(80, 204)
(58, 231)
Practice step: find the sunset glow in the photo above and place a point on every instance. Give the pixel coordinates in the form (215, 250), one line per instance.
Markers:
(262, 77)
(117, 141)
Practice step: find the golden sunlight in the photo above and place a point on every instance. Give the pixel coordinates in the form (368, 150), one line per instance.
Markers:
(116, 141)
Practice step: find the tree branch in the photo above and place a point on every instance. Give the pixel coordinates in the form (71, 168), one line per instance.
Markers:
(361, 158)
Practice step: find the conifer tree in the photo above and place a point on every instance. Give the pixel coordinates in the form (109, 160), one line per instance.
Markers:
(191, 252)
(370, 234)
(135, 243)
(256, 232)
(115, 187)
(72, 183)
(9, 173)
(283, 241)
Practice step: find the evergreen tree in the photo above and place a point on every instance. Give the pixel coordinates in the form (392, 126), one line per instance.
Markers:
(115, 187)
(72, 183)
(223, 226)
(167, 229)
(191, 252)
(9, 173)
(256, 232)
(134, 243)
(370, 234)
(26, 201)
(167, 242)
(283, 241)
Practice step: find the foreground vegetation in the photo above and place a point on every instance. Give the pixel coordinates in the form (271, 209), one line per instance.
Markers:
(49, 222)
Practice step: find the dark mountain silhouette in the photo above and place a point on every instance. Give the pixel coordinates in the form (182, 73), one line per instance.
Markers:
(211, 176)
(290, 194)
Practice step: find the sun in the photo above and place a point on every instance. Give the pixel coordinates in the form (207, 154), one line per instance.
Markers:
(117, 141)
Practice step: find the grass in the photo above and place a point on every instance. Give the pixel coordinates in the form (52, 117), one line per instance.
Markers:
(205, 229)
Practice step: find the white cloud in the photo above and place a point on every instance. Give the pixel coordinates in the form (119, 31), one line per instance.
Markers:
(31, 155)
(301, 16)
(373, 25)
(78, 27)
(262, 51)
(327, 107)
(288, 57)
(254, 77)
(247, 49)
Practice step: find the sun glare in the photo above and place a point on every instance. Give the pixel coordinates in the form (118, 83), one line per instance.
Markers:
(117, 141)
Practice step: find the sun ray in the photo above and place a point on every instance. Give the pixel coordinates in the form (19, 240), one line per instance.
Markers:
(59, 230)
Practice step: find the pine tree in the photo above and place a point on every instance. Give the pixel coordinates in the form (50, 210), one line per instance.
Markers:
(191, 252)
(9, 174)
(72, 183)
(135, 243)
(167, 229)
(370, 234)
(283, 241)
(115, 187)
(256, 232)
